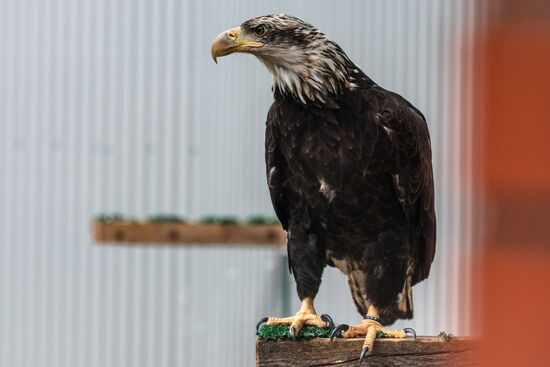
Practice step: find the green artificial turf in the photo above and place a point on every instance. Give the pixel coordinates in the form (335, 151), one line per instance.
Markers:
(274, 332)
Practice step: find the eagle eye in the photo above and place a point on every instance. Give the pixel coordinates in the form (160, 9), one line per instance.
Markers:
(260, 31)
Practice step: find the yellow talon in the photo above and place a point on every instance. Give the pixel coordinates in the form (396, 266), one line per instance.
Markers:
(369, 328)
(306, 316)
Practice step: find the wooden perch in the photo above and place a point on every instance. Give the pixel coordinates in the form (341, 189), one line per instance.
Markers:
(174, 233)
(424, 351)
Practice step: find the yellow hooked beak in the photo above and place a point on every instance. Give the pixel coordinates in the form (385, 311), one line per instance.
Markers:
(232, 41)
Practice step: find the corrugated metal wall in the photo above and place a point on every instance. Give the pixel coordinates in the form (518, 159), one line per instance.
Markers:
(116, 106)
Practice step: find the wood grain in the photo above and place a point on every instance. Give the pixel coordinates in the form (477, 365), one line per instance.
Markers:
(424, 351)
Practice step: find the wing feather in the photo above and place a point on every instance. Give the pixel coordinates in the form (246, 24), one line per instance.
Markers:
(276, 170)
(412, 175)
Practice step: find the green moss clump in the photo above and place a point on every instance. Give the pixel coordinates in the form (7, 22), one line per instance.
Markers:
(219, 219)
(208, 219)
(257, 219)
(260, 219)
(104, 218)
(228, 219)
(166, 218)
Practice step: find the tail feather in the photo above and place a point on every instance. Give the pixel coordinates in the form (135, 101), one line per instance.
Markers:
(403, 308)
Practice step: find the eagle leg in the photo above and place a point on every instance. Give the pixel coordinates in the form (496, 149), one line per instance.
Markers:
(306, 316)
(369, 328)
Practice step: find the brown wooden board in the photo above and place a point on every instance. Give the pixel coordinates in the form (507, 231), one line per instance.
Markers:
(174, 233)
(424, 351)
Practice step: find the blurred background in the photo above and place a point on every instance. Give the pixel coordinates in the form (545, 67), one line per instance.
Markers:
(117, 107)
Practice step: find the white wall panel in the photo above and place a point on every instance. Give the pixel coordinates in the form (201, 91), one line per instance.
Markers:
(116, 106)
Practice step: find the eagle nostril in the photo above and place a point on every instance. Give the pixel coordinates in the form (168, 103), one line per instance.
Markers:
(232, 36)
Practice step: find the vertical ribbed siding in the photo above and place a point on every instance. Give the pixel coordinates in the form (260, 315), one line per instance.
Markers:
(115, 106)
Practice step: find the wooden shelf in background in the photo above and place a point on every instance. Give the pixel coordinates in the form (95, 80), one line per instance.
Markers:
(424, 351)
(174, 233)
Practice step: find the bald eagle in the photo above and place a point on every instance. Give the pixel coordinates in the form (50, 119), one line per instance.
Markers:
(349, 173)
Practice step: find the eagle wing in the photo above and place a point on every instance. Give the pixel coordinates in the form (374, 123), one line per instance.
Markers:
(412, 174)
(276, 176)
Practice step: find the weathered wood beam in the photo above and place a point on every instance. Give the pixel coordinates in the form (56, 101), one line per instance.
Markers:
(424, 351)
(168, 233)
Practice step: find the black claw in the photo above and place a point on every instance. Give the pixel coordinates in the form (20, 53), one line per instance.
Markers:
(326, 318)
(363, 353)
(261, 322)
(410, 331)
(293, 333)
(338, 330)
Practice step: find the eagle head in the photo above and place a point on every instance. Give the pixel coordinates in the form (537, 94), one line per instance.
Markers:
(304, 63)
